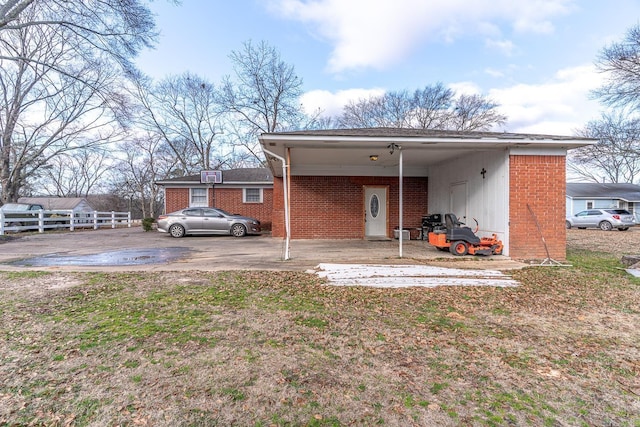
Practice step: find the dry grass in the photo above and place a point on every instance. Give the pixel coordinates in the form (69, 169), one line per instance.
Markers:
(273, 348)
(615, 243)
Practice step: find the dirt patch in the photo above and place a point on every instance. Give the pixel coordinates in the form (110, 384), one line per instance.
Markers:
(7, 238)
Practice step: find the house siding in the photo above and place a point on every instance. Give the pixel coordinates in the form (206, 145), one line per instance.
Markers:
(339, 202)
(176, 199)
(228, 199)
(538, 182)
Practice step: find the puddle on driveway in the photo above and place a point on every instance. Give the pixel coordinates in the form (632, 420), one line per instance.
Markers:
(112, 258)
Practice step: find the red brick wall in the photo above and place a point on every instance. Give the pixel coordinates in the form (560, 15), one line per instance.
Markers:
(333, 207)
(176, 199)
(277, 215)
(540, 182)
(229, 199)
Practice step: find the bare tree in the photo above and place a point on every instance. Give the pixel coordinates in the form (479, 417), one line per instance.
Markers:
(76, 174)
(147, 159)
(183, 111)
(263, 95)
(430, 107)
(117, 28)
(44, 113)
(620, 62)
(433, 107)
(393, 109)
(474, 113)
(363, 113)
(59, 63)
(616, 156)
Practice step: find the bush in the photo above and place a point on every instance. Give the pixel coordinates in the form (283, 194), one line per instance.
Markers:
(147, 224)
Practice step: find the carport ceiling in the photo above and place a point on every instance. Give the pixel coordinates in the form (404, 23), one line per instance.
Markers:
(353, 148)
(413, 157)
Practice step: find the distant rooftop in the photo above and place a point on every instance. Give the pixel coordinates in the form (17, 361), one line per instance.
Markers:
(53, 203)
(594, 190)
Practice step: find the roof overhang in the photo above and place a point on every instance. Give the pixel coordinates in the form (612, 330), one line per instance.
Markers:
(351, 152)
(187, 183)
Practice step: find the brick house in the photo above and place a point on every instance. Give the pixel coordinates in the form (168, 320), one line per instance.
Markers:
(366, 183)
(247, 191)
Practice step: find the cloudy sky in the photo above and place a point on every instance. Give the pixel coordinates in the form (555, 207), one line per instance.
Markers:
(534, 57)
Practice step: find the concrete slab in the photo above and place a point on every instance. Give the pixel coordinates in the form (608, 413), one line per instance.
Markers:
(210, 253)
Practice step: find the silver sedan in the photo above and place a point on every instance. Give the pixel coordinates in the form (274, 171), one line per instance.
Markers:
(604, 219)
(207, 221)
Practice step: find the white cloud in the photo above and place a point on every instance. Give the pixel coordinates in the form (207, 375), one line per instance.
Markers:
(505, 46)
(377, 33)
(465, 88)
(558, 106)
(493, 72)
(331, 104)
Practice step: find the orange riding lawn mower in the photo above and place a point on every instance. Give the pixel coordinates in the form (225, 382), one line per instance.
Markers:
(461, 240)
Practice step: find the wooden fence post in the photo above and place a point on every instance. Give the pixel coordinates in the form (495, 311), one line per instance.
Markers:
(40, 221)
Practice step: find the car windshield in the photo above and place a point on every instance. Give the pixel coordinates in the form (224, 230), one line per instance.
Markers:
(14, 207)
(618, 211)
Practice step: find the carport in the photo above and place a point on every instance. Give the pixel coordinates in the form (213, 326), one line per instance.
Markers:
(367, 183)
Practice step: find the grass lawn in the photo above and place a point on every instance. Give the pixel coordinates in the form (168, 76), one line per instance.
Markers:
(282, 348)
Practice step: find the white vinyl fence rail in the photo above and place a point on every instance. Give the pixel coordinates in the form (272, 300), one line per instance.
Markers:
(41, 220)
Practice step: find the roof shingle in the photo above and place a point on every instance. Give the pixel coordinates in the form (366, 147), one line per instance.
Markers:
(628, 192)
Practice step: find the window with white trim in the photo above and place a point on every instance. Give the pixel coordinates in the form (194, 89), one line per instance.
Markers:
(198, 197)
(252, 195)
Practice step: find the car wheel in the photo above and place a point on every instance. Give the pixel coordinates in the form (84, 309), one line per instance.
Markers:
(459, 248)
(238, 230)
(623, 228)
(568, 225)
(605, 226)
(176, 230)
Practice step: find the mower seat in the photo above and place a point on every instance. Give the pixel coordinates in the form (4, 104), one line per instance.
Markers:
(456, 232)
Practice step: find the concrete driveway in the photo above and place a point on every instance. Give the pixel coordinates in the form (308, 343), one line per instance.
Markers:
(153, 251)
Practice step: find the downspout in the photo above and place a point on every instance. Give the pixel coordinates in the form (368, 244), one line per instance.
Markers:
(400, 204)
(288, 195)
(285, 190)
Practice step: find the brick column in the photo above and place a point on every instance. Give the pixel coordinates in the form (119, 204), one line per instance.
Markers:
(540, 182)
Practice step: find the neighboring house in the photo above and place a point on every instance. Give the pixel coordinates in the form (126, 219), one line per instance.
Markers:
(75, 204)
(364, 183)
(81, 208)
(246, 191)
(591, 195)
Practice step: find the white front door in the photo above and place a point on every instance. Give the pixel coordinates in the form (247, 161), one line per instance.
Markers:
(375, 208)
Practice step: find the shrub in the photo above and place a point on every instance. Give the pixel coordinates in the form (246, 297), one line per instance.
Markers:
(147, 224)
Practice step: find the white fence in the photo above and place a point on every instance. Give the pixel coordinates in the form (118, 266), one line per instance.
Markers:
(41, 220)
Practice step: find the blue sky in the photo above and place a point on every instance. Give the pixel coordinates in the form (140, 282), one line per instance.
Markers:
(534, 57)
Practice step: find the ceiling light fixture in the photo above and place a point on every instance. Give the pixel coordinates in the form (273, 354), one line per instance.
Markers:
(373, 157)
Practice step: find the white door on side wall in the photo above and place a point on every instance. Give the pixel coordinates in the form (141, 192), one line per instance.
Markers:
(375, 208)
(458, 198)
